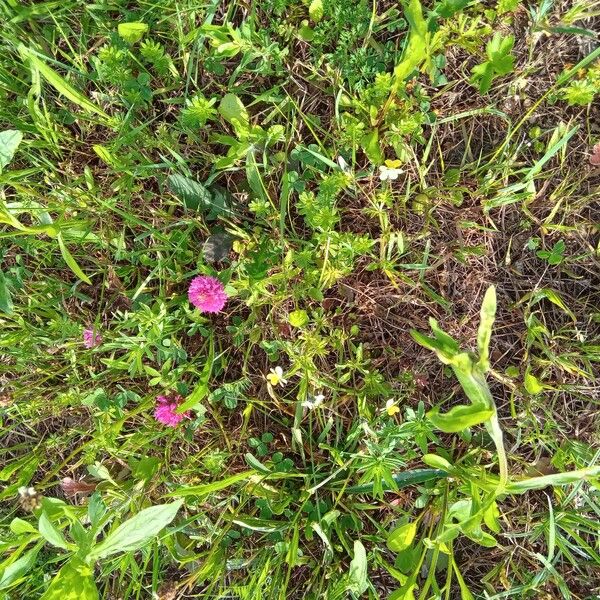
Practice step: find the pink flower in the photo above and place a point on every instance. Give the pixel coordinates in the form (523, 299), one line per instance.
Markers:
(91, 338)
(207, 293)
(166, 411)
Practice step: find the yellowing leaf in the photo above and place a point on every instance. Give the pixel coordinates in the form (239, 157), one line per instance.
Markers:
(132, 32)
(315, 10)
(402, 537)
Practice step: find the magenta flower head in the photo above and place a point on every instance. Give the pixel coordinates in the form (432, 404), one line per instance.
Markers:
(166, 411)
(207, 294)
(91, 339)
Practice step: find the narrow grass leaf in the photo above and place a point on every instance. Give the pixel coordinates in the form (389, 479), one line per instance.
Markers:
(71, 262)
(59, 83)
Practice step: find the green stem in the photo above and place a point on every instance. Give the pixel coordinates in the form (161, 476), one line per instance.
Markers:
(495, 431)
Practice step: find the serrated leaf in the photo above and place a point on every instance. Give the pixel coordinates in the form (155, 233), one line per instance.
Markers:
(9, 142)
(402, 537)
(138, 531)
(132, 32)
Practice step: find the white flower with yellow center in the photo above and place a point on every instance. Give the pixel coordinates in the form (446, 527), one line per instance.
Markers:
(275, 377)
(390, 170)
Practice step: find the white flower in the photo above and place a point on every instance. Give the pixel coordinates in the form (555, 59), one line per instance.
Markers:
(275, 377)
(390, 170)
(343, 164)
(316, 401)
(387, 174)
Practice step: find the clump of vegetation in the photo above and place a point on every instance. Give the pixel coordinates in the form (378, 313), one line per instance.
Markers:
(224, 229)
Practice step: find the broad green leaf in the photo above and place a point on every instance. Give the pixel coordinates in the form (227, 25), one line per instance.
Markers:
(6, 303)
(201, 389)
(437, 462)
(51, 533)
(298, 318)
(59, 84)
(416, 50)
(71, 262)
(20, 526)
(402, 537)
(357, 575)
(253, 462)
(532, 384)
(370, 146)
(490, 517)
(9, 142)
(315, 10)
(74, 581)
(486, 322)
(132, 32)
(137, 531)
(460, 417)
(12, 573)
(192, 193)
(233, 111)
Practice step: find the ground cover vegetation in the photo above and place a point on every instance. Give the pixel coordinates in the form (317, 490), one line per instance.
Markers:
(299, 299)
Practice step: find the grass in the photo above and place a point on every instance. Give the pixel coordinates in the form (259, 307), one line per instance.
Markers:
(400, 397)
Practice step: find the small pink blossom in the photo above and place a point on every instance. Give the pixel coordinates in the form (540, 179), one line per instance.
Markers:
(166, 411)
(91, 339)
(207, 294)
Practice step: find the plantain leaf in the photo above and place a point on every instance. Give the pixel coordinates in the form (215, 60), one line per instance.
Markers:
(138, 531)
